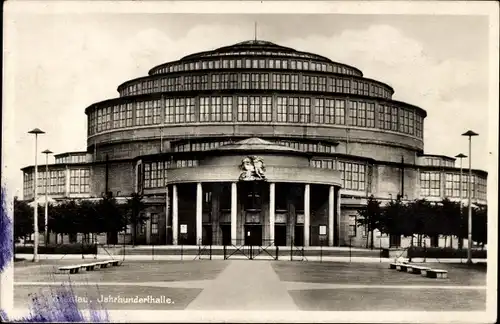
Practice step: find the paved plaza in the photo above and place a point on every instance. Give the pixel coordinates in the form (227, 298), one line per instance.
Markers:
(259, 285)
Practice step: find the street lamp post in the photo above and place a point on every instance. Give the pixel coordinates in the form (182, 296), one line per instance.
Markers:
(35, 131)
(46, 152)
(469, 133)
(460, 156)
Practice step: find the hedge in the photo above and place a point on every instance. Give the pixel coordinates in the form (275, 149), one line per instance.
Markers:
(443, 253)
(59, 249)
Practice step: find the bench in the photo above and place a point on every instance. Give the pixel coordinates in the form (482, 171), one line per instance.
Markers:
(72, 269)
(402, 267)
(416, 269)
(435, 273)
(115, 262)
(103, 264)
(88, 266)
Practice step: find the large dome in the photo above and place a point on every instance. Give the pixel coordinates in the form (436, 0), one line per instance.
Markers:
(258, 49)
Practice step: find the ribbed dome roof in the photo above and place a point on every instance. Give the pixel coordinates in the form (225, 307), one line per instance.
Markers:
(256, 47)
(255, 144)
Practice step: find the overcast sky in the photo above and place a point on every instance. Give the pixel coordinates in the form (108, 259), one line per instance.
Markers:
(61, 63)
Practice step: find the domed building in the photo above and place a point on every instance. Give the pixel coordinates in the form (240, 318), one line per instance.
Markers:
(255, 143)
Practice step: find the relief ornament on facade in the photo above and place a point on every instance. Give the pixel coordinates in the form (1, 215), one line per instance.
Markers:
(252, 168)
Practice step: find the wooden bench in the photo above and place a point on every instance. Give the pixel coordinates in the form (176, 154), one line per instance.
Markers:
(402, 267)
(103, 264)
(88, 266)
(435, 273)
(115, 262)
(71, 269)
(416, 269)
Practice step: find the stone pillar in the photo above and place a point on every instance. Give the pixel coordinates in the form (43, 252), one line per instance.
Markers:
(272, 209)
(148, 228)
(66, 184)
(167, 214)
(175, 216)
(216, 231)
(199, 208)
(337, 217)
(307, 214)
(331, 212)
(234, 209)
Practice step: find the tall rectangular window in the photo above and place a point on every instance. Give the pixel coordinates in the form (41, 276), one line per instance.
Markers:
(215, 81)
(129, 114)
(245, 81)
(418, 125)
(314, 83)
(282, 109)
(370, 115)
(148, 113)
(204, 109)
(204, 82)
(329, 111)
(216, 109)
(227, 108)
(254, 109)
(339, 112)
(242, 108)
(139, 113)
(180, 110)
(189, 111)
(285, 82)
(254, 81)
(74, 184)
(293, 110)
(394, 119)
(319, 111)
(306, 83)
(154, 223)
(353, 113)
(322, 84)
(264, 81)
(169, 111)
(116, 116)
(362, 114)
(305, 110)
(294, 82)
(266, 109)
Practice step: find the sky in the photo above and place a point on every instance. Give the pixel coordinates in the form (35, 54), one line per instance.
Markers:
(59, 64)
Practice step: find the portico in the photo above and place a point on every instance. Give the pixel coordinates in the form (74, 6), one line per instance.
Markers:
(253, 193)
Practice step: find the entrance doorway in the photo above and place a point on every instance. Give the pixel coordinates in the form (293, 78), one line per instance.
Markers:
(298, 239)
(226, 234)
(280, 235)
(207, 235)
(253, 234)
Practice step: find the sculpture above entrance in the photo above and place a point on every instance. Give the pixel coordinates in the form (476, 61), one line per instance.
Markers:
(253, 169)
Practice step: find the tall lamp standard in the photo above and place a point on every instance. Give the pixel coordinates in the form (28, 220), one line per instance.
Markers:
(46, 152)
(469, 133)
(35, 131)
(461, 157)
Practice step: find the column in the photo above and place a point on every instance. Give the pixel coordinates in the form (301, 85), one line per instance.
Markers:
(167, 213)
(175, 216)
(234, 208)
(337, 217)
(272, 209)
(148, 228)
(331, 212)
(199, 201)
(67, 178)
(306, 214)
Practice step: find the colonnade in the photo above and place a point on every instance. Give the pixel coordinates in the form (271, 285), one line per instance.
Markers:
(333, 209)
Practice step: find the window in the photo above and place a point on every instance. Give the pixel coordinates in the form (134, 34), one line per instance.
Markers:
(314, 83)
(204, 109)
(418, 125)
(394, 118)
(282, 109)
(216, 109)
(266, 109)
(139, 114)
(352, 175)
(245, 81)
(293, 110)
(169, 111)
(430, 184)
(294, 85)
(154, 224)
(216, 81)
(306, 83)
(227, 108)
(370, 115)
(322, 84)
(352, 225)
(319, 113)
(74, 186)
(404, 121)
(339, 112)
(242, 108)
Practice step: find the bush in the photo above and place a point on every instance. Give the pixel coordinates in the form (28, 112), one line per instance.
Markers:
(76, 248)
(443, 253)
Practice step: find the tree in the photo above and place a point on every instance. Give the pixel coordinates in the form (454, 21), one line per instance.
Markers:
(480, 224)
(135, 217)
(111, 216)
(23, 219)
(370, 217)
